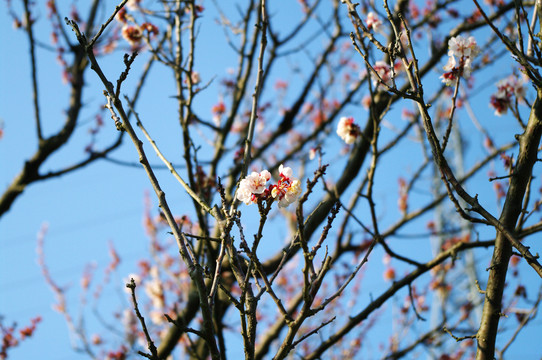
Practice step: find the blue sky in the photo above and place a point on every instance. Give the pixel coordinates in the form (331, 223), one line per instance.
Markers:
(104, 203)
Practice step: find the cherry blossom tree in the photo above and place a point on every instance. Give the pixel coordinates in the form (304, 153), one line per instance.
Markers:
(355, 168)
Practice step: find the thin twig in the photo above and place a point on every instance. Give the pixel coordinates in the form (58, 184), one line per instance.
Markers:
(154, 354)
(457, 338)
(34, 71)
(104, 25)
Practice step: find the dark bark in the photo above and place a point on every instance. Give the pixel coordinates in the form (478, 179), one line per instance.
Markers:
(528, 151)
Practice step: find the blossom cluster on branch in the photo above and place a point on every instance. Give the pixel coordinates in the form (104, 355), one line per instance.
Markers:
(507, 89)
(373, 22)
(132, 32)
(384, 74)
(465, 49)
(253, 187)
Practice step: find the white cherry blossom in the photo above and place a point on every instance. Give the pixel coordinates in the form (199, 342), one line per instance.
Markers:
(288, 188)
(373, 21)
(347, 130)
(506, 90)
(461, 52)
(384, 71)
(252, 185)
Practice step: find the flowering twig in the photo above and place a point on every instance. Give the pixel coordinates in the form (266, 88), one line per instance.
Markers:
(61, 307)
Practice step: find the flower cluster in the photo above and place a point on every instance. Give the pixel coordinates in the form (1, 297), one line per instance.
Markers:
(150, 28)
(287, 189)
(373, 22)
(465, 49)
(133, 34)
(9, 335)
(253, 187)
(347, 130)
(384, 72)
(129, 323)
(218, 110)
(195, 78)
(506, 90)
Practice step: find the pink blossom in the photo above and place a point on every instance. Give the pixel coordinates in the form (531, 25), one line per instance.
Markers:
(465, 49)
(129, 322)
(151, 28)
(461, 47)
(194, 79)
(281, 85)
(386, 259)
(373, 22)
(252, 186)
(95, 339)
(288, 188)
(218, 110)
(133, 4)
(389, 274)
(506, 90)
(157, 317)
(121, 16)
(312, 153)
(347, 130)
(154, 289)
(133, 34)
(366, 101)
(499, 104)
(384, 71)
